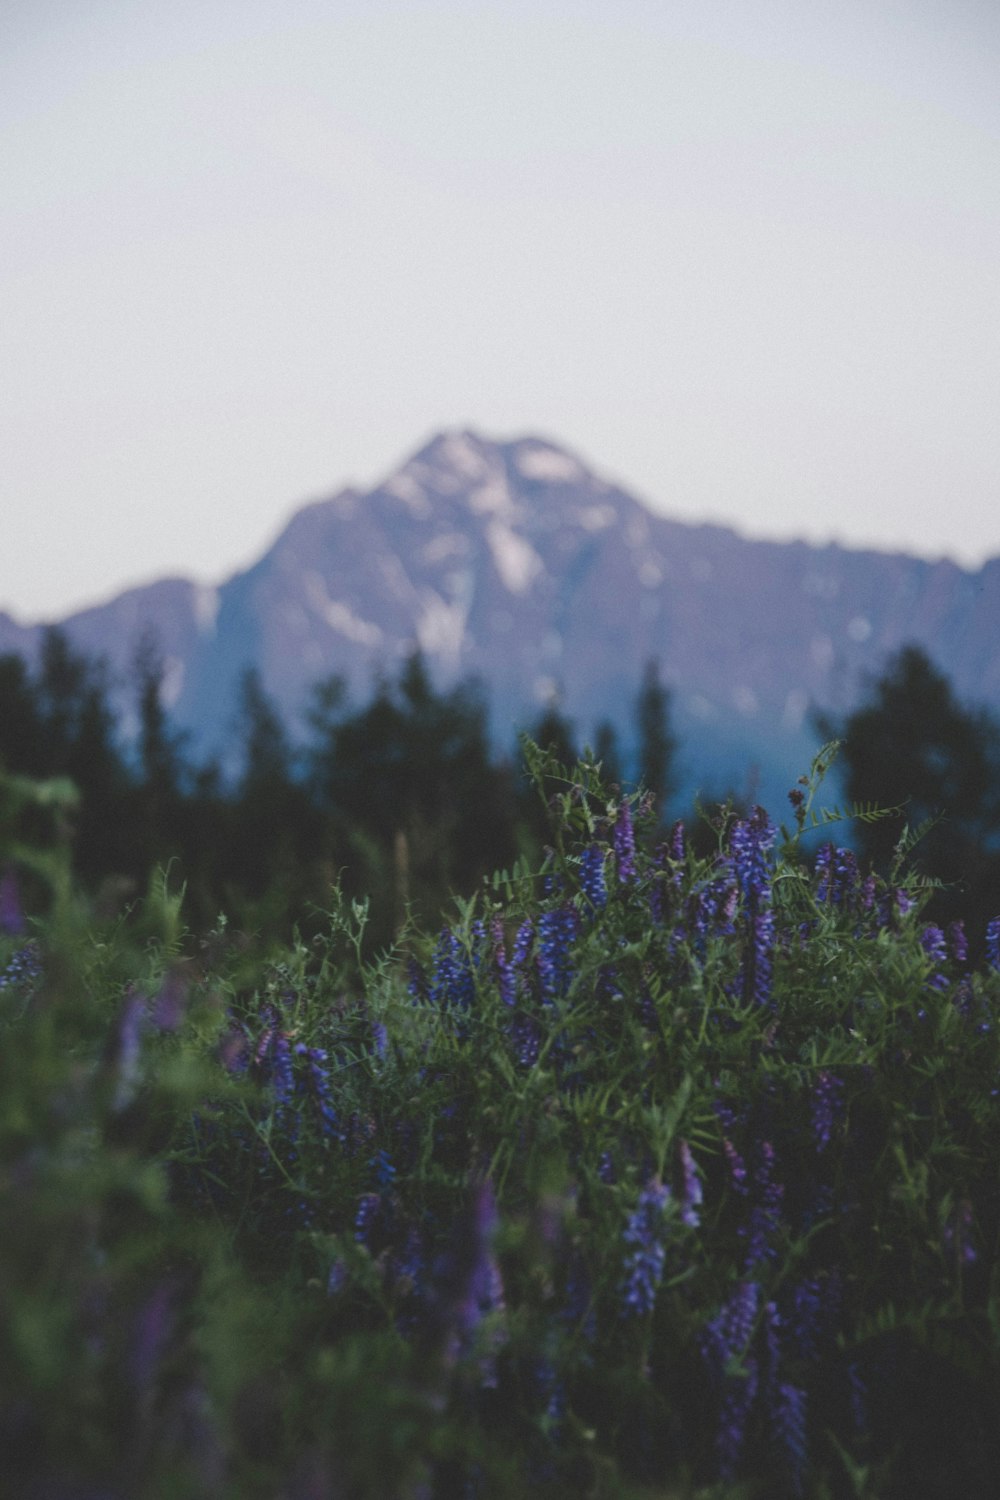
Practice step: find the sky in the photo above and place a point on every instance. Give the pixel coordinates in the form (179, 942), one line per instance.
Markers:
(742, 256)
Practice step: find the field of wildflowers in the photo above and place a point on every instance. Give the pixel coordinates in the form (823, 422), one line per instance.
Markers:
(654, 1173)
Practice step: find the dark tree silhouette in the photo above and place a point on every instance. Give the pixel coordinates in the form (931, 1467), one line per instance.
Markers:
(656, 743)
(913, 742)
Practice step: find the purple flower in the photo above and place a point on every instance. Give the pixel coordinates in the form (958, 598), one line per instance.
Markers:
(644, 1265)
(522, 944)
(787, 1409)
(317, 1086)
(932, 940)
(624, 843)
(11, 915)
(765, 1213)
(958, 942)
(24, 967)
(592, 876)
(480, 1286)
(750, 841)
(727, 1335)
(369, 1210)
(993, 943)
(737, 1168)
(126, 1050)
(453, 981)
(724, 1342)
(827, 1107)
(556, 931)
(738, 1398)
(691, 1197)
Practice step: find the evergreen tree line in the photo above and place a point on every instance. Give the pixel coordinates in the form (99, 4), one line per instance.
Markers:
(403, 803)
(400, 801)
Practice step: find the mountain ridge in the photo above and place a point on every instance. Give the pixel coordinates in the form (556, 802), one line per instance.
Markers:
(514, 562)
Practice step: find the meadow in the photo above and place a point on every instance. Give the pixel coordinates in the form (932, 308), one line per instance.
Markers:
(665, 1168)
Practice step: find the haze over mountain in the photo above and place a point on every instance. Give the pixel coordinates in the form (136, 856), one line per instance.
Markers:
(516, 563)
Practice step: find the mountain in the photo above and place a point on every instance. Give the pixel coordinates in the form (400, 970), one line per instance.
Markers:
(514, 562)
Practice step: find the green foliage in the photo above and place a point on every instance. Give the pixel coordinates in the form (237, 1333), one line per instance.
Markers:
(653, 1172)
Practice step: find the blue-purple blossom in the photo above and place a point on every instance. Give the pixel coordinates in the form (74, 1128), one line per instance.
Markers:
(725, 1350)
(453, 980)
(826, 1107)
(691, 1193)
(25, 967)
(765, 1213)
(126, 1050)
(382, 1165)
(958, 943)
(934, 944)
(592, 876)
(727, 1335)
(750, 841)
(368, 1212)
(644, 1264)
(787, 1412)
(11, 915)
(522, 944)
(623, 838)
(316, 1083)
(737, 1168)
(556, 931)
(993, 943)
(478, 1287)
(739, 1395)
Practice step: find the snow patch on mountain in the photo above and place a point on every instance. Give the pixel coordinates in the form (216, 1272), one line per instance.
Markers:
(440, 627)
(338, 615)
(517, 562)
(598, 517)
(406, 487)
(549, 465)
(448, 544)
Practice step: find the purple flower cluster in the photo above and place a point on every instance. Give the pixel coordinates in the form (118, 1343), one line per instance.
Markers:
(691, 1193)
(623, 838)
(935, 945)
(765, 1212)
(11, 915)
(24, 967)
(827, 1106)
(724, 1344)
(837, 875)
(750, 844)
(592, 879)
(316, 1080)
(453, 979)
(993, 943)
(644, 1264)
(556, 931)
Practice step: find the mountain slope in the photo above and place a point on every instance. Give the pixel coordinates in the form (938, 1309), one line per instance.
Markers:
(512, 561)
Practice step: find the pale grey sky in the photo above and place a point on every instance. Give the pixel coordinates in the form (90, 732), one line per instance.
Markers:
(742, 255)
